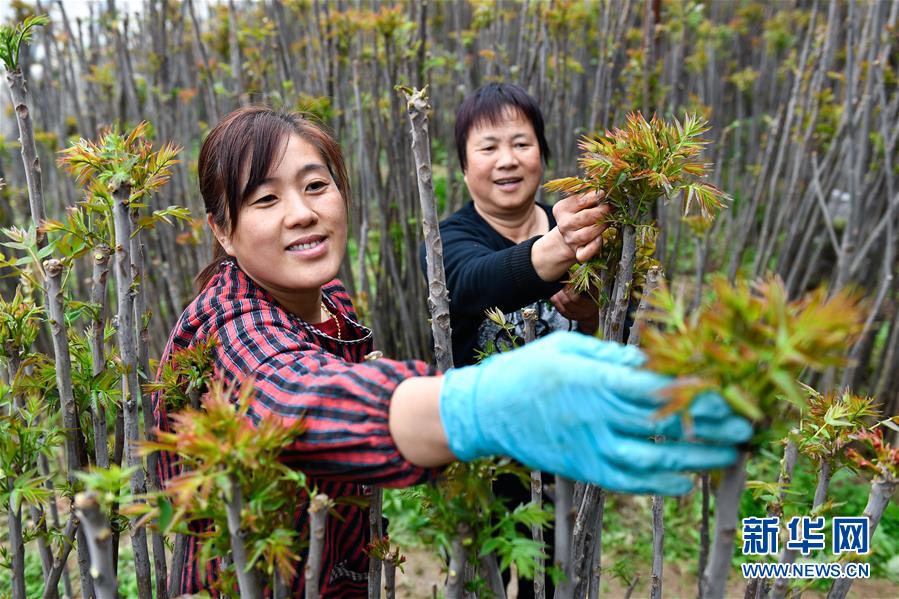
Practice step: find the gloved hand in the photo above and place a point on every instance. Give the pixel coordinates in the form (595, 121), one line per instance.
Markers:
(580, 407)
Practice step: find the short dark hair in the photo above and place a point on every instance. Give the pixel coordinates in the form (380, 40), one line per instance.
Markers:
(249, 142)
(488, 103)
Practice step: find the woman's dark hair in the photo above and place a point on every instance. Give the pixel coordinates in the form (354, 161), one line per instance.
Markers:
(248, 143)
(488, 104)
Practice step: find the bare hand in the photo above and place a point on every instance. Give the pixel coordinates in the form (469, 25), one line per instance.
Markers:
(577, 306)
(579, 220)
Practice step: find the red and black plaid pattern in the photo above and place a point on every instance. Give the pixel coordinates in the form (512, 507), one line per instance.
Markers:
(301, 371)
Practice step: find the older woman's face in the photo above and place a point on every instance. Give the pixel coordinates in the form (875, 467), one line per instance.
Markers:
(504, 165)
(291, 231)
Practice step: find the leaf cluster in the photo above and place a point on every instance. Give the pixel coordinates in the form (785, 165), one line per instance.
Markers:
(217, 447)
(382, 549)
(635, 166)
(750, 342)
(27, 431)
(117, 162)
(29, 267)
(19, 325)
(831, 421)
(464, 495)
(185, 377)
(89, 390)
(496, 316)
(642, 162)
(883, 458)
(13, 36)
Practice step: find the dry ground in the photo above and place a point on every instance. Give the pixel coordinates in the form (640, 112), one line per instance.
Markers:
(422, 571)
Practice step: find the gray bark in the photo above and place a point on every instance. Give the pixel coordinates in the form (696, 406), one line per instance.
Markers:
(727, 502)
(455, 580)
(375, 526)
(130, 389)
(438, 296)
(658, 546)
(563, 537)
(247, 581)
(99, 537)
(318, 514)
(878, 499)
(98, 361)
(18, 91)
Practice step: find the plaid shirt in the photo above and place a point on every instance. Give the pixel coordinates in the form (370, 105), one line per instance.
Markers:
(302, 372)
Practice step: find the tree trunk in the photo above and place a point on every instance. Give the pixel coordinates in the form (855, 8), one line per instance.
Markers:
(246, 576)
(727, 505)
(318, 514)
(98, 535)
(878, 499)
(130, 389)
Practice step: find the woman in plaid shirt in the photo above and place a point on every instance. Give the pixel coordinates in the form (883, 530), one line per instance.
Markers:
(276, 193)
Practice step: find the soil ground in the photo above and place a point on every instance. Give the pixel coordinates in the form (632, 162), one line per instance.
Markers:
(423, 571)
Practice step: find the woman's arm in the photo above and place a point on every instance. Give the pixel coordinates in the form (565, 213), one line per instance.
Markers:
(415, 423)
(569, 404)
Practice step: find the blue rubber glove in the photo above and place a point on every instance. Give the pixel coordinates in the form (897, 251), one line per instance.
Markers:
(576, 406)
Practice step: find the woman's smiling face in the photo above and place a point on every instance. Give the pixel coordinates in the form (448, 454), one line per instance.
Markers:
(504, 166)
(291, 230)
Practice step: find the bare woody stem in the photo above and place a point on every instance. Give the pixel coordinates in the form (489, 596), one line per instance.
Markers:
(375, 526)
(788, 556)
(18, 91)
(585, 537)
(179, 549)
(59, 563)
(529, 315)
(141, 318)
(658, 546)
(537, 535)
(246, 578)
(455, 580)
(653, 278)
(490, 573)
(614, 325)
(99, 542)
(130, 389)
(704, 529)
(74, 449)
(727, 502)
(98, 361)
(390, 573)
(878, 499)
(596, 557)
(563, 536)
(756, 587)
(16, 548)
(438, 296)
(318, 517)
(56, 312)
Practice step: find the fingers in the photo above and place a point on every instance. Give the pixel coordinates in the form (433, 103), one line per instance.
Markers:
(644, 455)
(582, 231)
(591, 351)
(641, 387)
(574, 203)
(659, 483)
(716, 423)
(585, 252)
